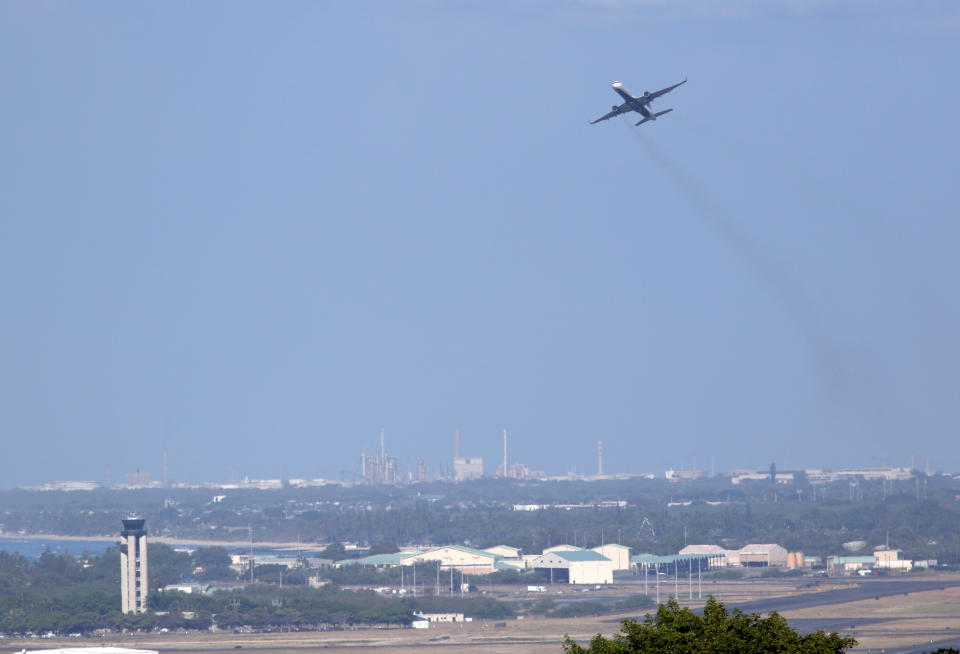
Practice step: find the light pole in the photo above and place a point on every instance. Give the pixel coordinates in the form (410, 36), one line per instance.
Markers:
(699, 581)
(658, 583)
(676, 579)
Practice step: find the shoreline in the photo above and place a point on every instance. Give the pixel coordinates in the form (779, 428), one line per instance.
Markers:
(279, 545)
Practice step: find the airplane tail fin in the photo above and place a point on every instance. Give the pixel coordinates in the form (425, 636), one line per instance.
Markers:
(654, 116)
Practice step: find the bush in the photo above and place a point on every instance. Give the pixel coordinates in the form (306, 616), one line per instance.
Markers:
(776, 572)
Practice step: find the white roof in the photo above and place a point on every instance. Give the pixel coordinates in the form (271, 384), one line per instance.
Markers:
(759, 548)
(600, 547)
(702, 549)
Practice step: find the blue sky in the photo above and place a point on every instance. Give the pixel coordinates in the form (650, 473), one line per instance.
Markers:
(254, 234)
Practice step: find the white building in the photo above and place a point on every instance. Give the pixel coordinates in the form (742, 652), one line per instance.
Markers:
(133, 567)
(683, 475)
(467, 467)
(578, 566)
(440, 617)
(65, 486)
(780, 477)
(763, 554)
(563, 548)
(890, 559)
(619, 554)
(463, 559)
(727, 558)
(506, 551)
(507, 557)
(528, 560)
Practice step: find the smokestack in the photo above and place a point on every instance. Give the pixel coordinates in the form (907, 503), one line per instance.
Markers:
(456, 443)
(382, 463)
(504, 452)
(599, 458)
(164, 467)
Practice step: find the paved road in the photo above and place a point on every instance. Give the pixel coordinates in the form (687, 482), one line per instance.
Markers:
(853, 590)
(953, 642)
(847, 590)
(864, 589)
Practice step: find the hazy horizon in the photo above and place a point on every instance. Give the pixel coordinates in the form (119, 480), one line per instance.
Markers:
(254, 235)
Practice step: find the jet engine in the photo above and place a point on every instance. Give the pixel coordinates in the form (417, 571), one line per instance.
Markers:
(613, 108)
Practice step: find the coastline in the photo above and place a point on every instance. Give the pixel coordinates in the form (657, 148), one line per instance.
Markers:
(278, 545)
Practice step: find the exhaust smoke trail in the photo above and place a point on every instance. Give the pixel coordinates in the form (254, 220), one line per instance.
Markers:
(834, 368)
(783, 289)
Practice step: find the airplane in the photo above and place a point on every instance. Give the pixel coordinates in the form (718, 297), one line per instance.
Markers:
(637, 103)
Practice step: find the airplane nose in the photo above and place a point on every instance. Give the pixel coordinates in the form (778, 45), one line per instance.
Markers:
(617, 85)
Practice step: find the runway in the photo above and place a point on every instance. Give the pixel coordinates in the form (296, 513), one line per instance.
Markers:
(837, 591)
(861, 590)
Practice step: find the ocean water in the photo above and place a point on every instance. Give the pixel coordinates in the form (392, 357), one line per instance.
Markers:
(32, 548)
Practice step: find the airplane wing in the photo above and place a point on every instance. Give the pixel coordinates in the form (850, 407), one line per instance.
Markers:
(657, 94)
(616, 112)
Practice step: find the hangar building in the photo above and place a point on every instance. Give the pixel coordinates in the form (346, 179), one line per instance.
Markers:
(763, 555)
(576, 566)
(619, 554)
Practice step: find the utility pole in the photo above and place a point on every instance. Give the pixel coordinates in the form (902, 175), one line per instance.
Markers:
(250, 533)
(699, 581)
(658, 583)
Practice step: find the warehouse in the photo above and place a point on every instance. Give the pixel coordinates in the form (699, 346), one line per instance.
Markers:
(673, 564)
(723, 559)
(763, 555)
(383, 560)
(619, 554)
(505, 551)
(463, 559)
(575, 567)
(563, 548)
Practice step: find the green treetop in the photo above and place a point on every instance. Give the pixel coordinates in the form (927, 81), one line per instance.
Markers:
(675, 630)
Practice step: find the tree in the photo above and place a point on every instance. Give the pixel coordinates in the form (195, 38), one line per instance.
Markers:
(212, 563)
(167, 566)
(335, 551)
(681, 631)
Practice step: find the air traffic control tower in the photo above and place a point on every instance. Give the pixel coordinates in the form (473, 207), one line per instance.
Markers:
(133, 566)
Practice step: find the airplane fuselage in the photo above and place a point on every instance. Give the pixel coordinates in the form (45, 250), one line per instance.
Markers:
(637, 103)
